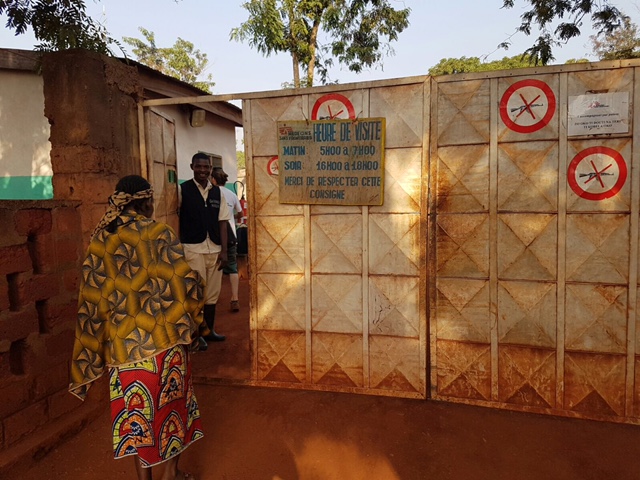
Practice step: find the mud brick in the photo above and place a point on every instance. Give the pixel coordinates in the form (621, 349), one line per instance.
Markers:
(43, 286)
(56, 379)
(15, 259)
(33, 221)
(60, 403)
(77, 159)
(25, 288)
(9, 236)
(4, 294)
(43, 352)
(5, 365)
(18, 325)
(91, 215)
(58, 312)
(33, 355)
(15, 394)
(25, 422)
(43, 253)
(71, 280)
(64, 185)
(59, 345)
(91, 188)
(66, 221)
(68, 252)
(19, 289)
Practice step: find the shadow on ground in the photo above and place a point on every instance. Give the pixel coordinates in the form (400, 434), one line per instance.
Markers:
(271, 434)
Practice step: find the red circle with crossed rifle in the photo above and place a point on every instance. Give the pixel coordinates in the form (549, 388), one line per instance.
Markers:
(527, 106)
(333, 106)
(597, 173)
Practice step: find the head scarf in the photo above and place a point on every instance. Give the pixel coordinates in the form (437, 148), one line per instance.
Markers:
(117, 202)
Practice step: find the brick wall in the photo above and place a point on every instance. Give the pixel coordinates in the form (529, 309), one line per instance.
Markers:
(90, 103)
(40, 250)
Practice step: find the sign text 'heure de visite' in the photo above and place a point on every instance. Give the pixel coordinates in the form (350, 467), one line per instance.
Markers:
(334, 162)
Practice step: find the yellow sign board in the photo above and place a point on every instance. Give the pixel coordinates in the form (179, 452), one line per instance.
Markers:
(332, 162)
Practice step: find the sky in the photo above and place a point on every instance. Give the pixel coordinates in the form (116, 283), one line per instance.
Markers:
(438, 29)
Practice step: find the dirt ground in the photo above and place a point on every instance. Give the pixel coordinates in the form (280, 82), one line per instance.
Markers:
(271, 434)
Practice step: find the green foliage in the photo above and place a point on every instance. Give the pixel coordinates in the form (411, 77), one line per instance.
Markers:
(619, 45)
(182, 61)
(240, 159)
(57, 24)
(448, 66)
(576, 60)
(359, 33)
(605, 19)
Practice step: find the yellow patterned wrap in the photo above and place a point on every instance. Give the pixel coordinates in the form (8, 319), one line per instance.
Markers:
(138, 297)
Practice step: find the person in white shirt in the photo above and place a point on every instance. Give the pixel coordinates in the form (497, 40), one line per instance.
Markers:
(220, 179)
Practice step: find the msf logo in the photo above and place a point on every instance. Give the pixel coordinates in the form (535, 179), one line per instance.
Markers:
(284, 131)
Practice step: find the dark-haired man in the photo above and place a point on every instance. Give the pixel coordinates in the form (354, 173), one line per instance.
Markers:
(203, 233)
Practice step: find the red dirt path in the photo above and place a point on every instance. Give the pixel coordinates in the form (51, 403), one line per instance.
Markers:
(271, 434)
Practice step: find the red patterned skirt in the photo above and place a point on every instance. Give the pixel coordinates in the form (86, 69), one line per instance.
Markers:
(154, 412)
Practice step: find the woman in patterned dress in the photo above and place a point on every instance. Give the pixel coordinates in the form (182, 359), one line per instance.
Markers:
(139, 308)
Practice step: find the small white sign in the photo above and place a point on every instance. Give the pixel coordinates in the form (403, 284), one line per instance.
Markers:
(598, 114)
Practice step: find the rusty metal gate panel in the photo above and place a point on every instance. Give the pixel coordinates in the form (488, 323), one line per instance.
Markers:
(534, 286)
(339, 296)
(486, 277)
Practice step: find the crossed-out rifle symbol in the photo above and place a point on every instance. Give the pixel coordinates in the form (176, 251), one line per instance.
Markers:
(596, 174)
(527, 107)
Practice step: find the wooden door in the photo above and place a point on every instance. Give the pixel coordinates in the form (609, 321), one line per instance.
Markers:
(162, 161)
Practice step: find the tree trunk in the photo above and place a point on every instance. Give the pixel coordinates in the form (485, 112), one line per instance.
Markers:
(313, 46)
(296, 70)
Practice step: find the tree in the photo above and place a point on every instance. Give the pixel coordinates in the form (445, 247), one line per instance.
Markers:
(448, 66)
(240, 159)
(182, 61)
(618, 45)
(358, 32)
(605, 18)
(57, 24)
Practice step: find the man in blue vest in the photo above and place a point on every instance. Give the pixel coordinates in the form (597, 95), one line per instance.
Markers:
(203, 233)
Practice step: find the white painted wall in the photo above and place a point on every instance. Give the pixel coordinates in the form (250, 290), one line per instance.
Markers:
(24, 130)
(217, 136)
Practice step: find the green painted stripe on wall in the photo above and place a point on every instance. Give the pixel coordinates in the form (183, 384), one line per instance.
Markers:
(26, 188)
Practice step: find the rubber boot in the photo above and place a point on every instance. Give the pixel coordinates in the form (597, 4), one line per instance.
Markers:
(199, 345)
(210, 318)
